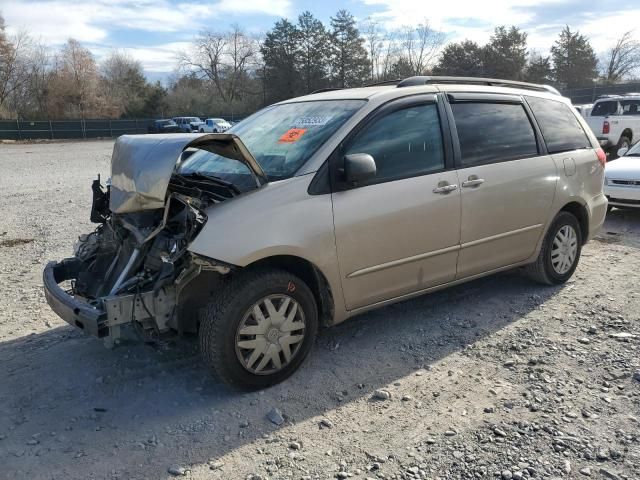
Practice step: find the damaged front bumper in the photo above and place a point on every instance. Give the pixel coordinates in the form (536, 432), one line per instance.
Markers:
(104, 317)
(87, 318)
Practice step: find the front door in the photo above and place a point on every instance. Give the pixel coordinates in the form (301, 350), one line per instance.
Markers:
(399, 232)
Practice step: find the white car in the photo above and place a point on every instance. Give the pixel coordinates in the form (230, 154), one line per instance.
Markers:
(585, 109)
(215, 125)
(615, 120)
(189, 124)
(622, 178)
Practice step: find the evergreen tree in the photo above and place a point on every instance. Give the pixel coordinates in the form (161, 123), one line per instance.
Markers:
(506, 54)
(349, 60)
(538, 69)
(313, 52)
(465, 59)
(279, 52)
(574, 61)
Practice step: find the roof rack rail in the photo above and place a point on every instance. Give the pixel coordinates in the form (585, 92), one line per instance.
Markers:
(495, 82)
(384, 82)
(329, 89)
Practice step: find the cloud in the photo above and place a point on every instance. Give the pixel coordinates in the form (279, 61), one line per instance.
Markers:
(159, 58)
(475, 20)
(57, 20)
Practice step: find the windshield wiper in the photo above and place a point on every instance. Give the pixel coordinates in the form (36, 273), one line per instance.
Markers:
(211, 178)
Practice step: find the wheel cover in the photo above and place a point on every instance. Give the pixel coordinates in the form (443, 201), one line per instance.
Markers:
(564, 249)
(270, 334)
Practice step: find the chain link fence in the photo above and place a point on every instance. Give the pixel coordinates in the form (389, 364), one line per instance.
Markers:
(97, 128)
(70, 129)
(77, 129)
(589, 94)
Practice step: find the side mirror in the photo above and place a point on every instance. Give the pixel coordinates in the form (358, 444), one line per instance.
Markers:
(623, 151)
(359, 167)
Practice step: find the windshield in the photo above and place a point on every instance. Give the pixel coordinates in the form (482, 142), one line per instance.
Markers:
(281, 138)
(602, 109)
(634, 151)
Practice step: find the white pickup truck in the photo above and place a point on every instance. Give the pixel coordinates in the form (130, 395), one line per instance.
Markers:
(215, 125)
(615, 120)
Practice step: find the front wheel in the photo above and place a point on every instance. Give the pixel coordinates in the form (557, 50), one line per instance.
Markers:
(560, 252)
(259, 328)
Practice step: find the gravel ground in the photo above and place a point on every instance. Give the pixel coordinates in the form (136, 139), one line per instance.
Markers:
(499, 378)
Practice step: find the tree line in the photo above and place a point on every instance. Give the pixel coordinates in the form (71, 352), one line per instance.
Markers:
(233, 72)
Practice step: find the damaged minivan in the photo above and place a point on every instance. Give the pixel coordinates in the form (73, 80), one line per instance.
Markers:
(322, 207)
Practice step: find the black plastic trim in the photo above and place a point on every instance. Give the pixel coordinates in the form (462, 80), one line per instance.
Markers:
(78, 314)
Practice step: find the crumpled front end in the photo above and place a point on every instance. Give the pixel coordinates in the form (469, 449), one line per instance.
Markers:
(131, 269)
(134, 267)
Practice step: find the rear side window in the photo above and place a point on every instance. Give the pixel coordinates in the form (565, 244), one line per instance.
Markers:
(493, 132)
(404, 143)
(560, 127)
(630, 107)
(602, 109)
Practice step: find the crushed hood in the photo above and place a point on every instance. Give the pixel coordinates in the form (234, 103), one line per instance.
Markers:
(142, 165)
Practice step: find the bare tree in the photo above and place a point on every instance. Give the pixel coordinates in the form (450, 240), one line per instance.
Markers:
(29, 93)
(122, 82)
(420, 45)
(13, 64)
(373, 34)
(77, 78)
(389, 54)
(623, 59)
(224, 58)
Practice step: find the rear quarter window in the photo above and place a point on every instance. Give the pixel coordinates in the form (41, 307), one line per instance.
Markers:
(560, 128)
(493, 132)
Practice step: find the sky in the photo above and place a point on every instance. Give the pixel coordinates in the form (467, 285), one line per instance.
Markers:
(155, 31)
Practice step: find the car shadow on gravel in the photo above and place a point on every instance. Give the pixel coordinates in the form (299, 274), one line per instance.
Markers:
(68, 405)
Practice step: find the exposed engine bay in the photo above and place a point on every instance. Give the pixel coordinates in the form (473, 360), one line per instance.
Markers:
(134, 267)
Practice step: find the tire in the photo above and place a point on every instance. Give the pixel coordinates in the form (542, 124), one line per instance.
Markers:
(201, 130)
(623, 142)
(543, 269)
(220, 333)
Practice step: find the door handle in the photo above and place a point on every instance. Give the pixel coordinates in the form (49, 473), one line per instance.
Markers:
(444, 188)
(473, 181)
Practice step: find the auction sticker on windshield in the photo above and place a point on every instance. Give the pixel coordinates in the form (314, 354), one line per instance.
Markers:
(292, 135)
(314, 121)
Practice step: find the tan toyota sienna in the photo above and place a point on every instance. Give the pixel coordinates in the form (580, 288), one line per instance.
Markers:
(322, 207)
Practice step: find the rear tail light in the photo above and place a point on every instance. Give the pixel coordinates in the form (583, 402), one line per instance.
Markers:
(605, 127)
(602, 157)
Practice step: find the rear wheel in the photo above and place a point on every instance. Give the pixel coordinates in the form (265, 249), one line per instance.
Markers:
(560, 252)
(624, 142)
(259, 328)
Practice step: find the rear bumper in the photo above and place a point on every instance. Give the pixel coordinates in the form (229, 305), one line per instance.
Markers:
(605, 142)
(90, 320)
(598, 211)
(623, 196)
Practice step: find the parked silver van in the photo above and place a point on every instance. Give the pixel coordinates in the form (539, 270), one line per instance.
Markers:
(322, 207)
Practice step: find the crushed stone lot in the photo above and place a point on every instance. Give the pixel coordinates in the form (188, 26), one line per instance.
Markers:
(499, 378)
